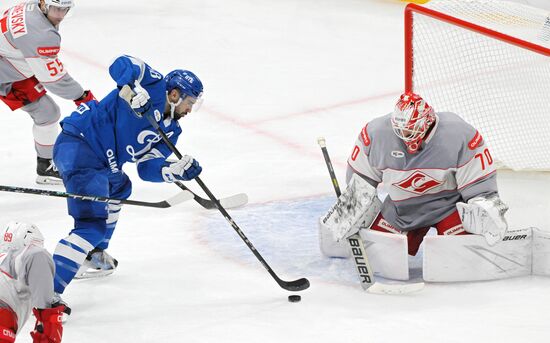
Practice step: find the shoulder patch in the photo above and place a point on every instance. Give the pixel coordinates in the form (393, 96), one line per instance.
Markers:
(48, 50)
(365, 136)
(476, 141)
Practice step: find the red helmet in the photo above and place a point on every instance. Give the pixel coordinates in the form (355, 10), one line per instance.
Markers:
(411, 119)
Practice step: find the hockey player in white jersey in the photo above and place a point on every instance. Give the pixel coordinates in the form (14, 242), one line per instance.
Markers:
(429, 164)
(29, 64)
(26, 282)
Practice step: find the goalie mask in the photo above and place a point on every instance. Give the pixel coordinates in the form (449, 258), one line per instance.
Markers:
(411, 119)
(18, 235)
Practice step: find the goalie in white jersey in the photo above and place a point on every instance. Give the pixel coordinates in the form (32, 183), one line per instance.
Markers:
(26, 282)
(29, 63)
(430, 164)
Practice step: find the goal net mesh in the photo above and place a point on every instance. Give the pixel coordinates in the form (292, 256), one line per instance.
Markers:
(488, 61)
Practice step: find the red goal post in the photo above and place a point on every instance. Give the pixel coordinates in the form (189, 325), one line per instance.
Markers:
(489, 62)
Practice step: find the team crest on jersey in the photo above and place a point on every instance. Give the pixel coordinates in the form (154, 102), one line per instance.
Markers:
(476, 141)
(418, 183)
(16, 21)
(365, 136)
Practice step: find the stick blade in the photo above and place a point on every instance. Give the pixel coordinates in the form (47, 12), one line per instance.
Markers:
(234, 201)
(296, 285)
(179, 198)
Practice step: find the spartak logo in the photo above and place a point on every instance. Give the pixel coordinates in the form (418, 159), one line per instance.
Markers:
(418, 183)
(365, 136)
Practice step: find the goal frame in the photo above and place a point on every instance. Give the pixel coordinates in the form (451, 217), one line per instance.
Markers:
(412, 8)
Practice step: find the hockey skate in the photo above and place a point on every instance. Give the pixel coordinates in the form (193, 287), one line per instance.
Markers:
(57, 301)
(98, 263)
(47, 172)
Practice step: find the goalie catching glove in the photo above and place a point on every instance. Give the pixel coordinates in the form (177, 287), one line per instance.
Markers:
(484, 216)
(357, 207)
(187, 168)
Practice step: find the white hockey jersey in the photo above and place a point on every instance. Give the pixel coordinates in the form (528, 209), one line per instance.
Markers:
(29, 45)
(26, 281)
(453, 165)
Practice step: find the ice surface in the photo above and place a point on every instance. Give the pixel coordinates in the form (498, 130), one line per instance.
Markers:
(277, 75)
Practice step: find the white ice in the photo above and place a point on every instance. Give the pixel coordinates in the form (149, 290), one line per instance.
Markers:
(277, 75)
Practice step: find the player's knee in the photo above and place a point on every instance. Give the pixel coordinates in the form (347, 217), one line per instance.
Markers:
(121, 188)
(87, 233)
(44, 111)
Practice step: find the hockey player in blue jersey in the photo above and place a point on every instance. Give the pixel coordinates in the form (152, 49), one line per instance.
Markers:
(99, 137)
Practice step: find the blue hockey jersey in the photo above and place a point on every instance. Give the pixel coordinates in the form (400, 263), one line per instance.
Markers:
(115, 133)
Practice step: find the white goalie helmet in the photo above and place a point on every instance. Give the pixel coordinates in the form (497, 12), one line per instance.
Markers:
(17, 235)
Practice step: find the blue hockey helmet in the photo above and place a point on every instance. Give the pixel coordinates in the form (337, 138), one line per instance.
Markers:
(185, 81)
(188, 85)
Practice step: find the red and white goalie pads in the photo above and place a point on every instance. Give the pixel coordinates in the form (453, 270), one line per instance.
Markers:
(357, 207)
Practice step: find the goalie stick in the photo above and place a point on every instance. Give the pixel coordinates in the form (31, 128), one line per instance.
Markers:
(295, 285)
(172, 201)
(358, 252)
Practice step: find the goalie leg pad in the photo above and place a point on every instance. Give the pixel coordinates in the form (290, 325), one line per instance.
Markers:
(329, 247)
(414, 237)
(541, 252)
(470, 258)
(387, 253)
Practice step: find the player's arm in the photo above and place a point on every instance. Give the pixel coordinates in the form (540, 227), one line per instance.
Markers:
(155, 167)
(127, 70)
(41, 50)
(359, 162)
(483, 212)
(137, 77)
(39, 274)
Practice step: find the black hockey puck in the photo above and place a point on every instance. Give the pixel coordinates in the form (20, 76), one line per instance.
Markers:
(294, 298)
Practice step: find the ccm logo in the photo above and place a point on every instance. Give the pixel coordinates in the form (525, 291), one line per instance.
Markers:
(8, 333)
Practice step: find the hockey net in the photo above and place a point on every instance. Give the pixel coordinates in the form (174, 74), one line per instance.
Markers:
(489, 62)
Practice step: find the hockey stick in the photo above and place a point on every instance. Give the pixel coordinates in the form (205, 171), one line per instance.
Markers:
(180, 197)
(296, 285)
(357, 247)
(233, 201)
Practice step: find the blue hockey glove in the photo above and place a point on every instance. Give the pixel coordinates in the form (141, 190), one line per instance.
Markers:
(185, 169)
